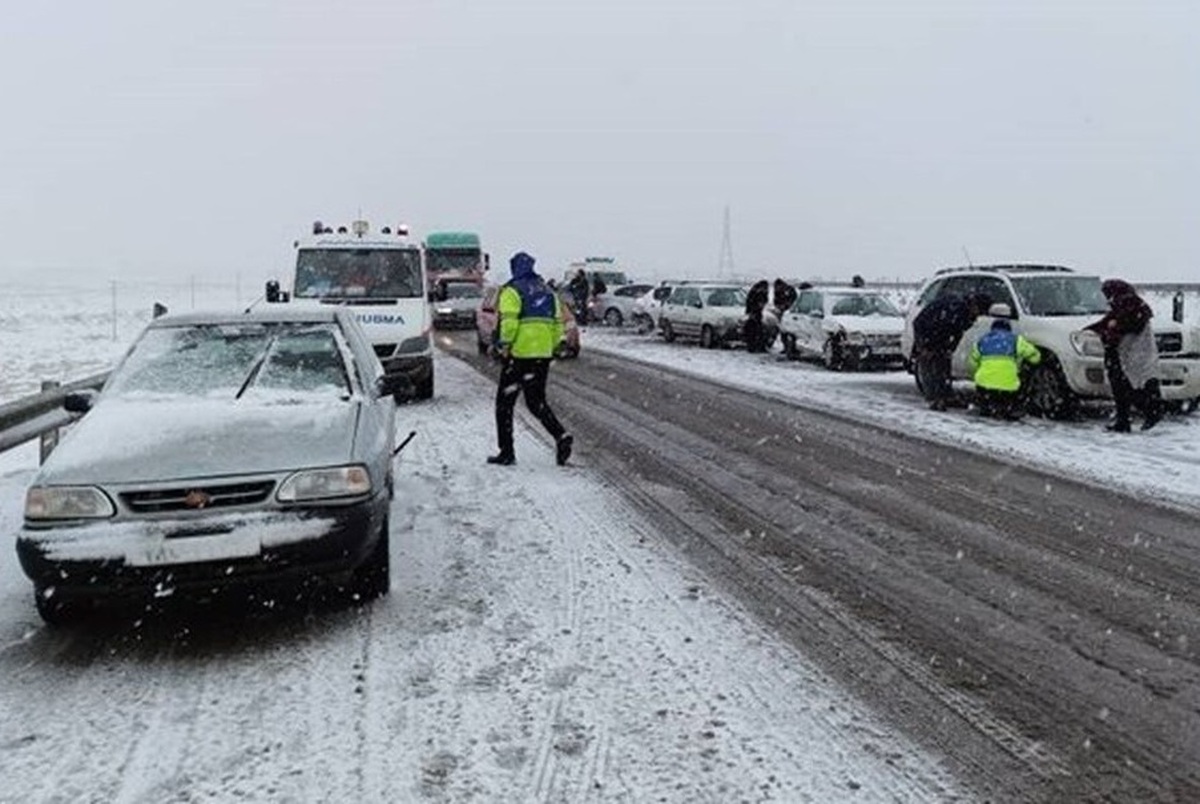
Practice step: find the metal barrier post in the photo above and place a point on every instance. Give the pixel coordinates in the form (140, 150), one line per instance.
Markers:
(49, 439)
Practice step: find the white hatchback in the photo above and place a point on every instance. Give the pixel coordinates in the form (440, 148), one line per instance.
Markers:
(712, 314)
(843, 328)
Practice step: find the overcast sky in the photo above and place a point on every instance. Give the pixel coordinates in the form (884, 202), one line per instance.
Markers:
(148, 137)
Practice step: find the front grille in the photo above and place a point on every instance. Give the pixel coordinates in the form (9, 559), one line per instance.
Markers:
(884, 340)
(220, 496)
(384, 349)
(1168, 342)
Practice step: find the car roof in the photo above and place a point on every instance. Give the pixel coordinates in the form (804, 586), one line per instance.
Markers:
(1014, 268)
(271, 314)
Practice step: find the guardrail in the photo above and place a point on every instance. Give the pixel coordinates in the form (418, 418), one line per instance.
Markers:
(41, 415)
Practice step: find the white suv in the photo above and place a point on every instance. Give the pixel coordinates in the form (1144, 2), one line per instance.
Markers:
(710, 313)
(1050, 306)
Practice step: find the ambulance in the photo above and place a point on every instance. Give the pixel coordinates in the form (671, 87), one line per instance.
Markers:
(381, 277)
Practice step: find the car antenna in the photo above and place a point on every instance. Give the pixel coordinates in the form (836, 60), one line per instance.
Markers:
(253, 303)
(967, 254)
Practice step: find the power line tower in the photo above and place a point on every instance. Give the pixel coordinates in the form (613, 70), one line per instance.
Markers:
(725, 262)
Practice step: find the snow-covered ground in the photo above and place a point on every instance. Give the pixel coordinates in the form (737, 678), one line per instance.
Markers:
(540, 644)
(1163, 463)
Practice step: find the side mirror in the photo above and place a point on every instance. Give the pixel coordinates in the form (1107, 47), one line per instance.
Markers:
(272, 293)
(397, 386)
(79, 401)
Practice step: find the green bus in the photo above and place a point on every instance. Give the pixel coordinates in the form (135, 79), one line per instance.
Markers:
(454, 255)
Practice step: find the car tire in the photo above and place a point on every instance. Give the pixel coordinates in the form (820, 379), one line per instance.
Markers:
(789, 346)
(373, 578)
(667, 330)
(831, 355)
(56, 610)
(425, 389)
(612, 317)
(1047, 393)
(483, 347)
(708, 338)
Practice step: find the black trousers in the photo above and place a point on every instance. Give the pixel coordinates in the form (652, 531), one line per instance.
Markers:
(529, 375)
(933, 370)
(1147, 399)
(999, 404)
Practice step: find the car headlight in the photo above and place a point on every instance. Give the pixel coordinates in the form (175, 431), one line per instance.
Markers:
(325, 484)
(1087, 343)
(412, 345)
(445, 310)
(67, 502)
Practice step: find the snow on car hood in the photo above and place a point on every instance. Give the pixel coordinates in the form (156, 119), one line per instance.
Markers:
(868, 324)
(123, 440)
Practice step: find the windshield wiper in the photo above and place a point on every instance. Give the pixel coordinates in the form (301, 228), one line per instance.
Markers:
(257, 367)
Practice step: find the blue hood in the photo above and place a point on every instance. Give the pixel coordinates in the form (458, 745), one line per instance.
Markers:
(521, 265)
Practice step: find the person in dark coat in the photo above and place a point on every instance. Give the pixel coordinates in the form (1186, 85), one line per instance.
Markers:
(579, 287)
(753, 331)
(937, 329)
(785, 296)
(1130, 355)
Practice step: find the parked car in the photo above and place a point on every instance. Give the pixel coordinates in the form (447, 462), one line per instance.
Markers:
(615, 308)
(1050, 306)
(454, 303)
(843, 328)
(487, 318)
(712, 314)
(225, 450)
(646, 308)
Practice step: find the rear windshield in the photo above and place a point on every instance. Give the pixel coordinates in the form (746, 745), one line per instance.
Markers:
(863, 304)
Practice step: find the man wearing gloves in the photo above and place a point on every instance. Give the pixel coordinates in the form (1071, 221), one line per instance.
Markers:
(529, 330)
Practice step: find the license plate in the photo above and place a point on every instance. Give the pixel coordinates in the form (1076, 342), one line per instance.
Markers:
(195, 549)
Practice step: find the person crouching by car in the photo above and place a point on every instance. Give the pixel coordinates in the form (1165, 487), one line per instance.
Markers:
(753, 331)
(1130, 355)
(529, 330)
(937, 329)
(996, 362)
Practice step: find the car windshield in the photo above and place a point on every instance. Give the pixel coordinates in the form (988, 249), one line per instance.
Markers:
(726, 297)
(376, 273)
(450, 261)
(1060, 295)
(461, 290)
(231, 360)
(863, 304)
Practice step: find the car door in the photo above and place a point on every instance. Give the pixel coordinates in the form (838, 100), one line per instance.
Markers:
(690, 312)
(810, 312)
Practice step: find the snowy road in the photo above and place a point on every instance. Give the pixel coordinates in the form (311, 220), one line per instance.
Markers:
(542, 643)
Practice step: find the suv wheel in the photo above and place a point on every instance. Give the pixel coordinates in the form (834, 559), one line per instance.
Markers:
(1047, 393)
(612, 317)
(668, 331)
(831, 354)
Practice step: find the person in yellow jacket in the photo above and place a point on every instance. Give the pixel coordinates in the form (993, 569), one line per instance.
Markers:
(996, 361)
(529, 331)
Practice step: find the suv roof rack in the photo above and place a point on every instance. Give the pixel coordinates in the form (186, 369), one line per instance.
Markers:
(1008, 269)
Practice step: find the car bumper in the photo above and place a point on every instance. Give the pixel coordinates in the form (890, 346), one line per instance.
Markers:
(459, 320)
(135, 559)
(418, 368)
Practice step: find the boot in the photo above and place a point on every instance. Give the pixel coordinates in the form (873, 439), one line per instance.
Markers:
(502, 459)
(1119, 426)
(562, 449)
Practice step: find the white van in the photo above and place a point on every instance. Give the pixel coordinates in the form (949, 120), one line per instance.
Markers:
(381, 277)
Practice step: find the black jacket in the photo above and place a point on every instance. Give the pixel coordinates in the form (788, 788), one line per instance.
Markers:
(942, 322)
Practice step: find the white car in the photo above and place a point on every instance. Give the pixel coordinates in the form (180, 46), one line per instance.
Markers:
(648, 307)
(1050, 306)
(712, 314)
(843, 328)
(615, 307)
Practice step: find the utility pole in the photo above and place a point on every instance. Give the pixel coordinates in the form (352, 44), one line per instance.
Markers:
(725, 262)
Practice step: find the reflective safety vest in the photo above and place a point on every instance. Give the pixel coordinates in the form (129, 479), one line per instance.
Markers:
(530, 324)
(996, 359)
